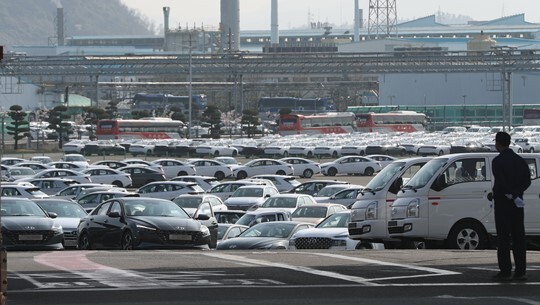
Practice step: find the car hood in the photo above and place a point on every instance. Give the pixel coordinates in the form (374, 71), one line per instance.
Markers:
(326, 164)
(308, 220)
(239, 243)
(68, 223)
(24, 223)
(168, 223)
(322, 232)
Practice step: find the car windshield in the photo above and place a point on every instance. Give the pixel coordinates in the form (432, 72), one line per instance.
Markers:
(271, 229)
(383, 177)
(74, 158)
(309, 212)
(35, 192)
(246, 219)
(422, 177)
(21, 208)
(248, 192)
(188, 202)
(329, 191)
(161, 208)
(279, 202)
(63, 209)
(21, 172)
(336, 220)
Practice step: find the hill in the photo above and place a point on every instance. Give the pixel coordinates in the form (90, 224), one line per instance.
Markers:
(33, 22)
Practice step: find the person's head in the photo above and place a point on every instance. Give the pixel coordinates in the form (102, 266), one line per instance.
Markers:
(502, 140)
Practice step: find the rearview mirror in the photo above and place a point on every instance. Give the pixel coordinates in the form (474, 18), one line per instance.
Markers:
(203, 217)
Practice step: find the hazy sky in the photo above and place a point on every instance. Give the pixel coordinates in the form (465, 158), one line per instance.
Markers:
(255, 14)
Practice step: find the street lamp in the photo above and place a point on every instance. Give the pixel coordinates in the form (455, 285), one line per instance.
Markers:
(190, 81)
(464, 96)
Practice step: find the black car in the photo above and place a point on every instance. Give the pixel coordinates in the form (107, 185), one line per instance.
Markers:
(26, 226)
(141, 223)
(468, 146)
(142, 175)
(103, 149)
(314, 186)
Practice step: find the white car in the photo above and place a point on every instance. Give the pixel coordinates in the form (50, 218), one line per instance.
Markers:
(303, 168)
(35, 166)
(72, 191)
(216, 150)
(261, 167)
(109, 176)
(12, 161)
(529, 144)
(145, 148)
(64, 173)
(331, 233)
(351, 165)
(282, 183)
(205, 167)
(287, 202)
(191, 203)
(74, 147)
(21, 191)
(205, 182)
(227, 160)
(302, 150)
(384, 160)
(169, 189)
(251, 195)
(437, 148)
(41, 159)
(77, 159)
(172, 168)
(51, 186)
(224, 190)
(276, 149)
(328, 191)
(67, 165)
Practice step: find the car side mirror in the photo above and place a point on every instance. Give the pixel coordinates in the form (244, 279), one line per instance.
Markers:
(52, 214)
(114, 214)
(439, 184)
(203, 217)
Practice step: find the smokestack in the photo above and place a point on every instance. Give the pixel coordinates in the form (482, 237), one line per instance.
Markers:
(60, 26)
(166, 11)
(274, 39)
(357, 24)
(230, 25)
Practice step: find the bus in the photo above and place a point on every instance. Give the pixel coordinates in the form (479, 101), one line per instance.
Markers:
(146, 128)
(531, 116)
(151, 102)
(393, 121)
(332, 122)
(269, 106)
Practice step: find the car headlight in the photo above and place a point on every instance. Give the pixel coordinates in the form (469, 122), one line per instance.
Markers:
(204, 230)
(292, 242)
(145, 228)
(371, 210)
(57, 227)
(413, 209)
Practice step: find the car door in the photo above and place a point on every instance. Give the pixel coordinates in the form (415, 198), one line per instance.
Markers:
(205, 208)
(95, 225)
(113, 226)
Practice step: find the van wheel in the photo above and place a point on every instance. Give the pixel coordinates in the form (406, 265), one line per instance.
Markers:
(467, 236)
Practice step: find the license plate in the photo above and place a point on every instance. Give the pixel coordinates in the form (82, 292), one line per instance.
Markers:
(179, 237)
(392, 223)
(70, 243)
(30, 237)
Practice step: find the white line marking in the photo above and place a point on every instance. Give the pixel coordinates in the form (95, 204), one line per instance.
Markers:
(29, 279)
(520, 300)
(355, 279)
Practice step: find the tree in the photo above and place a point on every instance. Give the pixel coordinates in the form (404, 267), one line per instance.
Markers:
(178, 114)
(212, 116)
(19, 126)
(139, 114)
(250, 121)
(112, 109)
(56, 120)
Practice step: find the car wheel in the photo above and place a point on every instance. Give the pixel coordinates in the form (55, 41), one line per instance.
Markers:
(182, 173)
(441, 153)
(520, 150)
(362, 153)
(467, 236)
(216, 153)
(369, 171)
(234, 153)
(280, 172)
(364, 246)
(83, 152)
(213, 241)
(127, 241)
(309, 154)
(241, 175)
(334, 154)
(285, 154)
(307, 173)
(84, 242)
(118, 184)
(219, 175)
(332, 171)
(531, 150)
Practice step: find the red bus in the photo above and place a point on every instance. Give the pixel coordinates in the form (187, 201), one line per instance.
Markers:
(393, 121)
(332, 122)
(147, 128)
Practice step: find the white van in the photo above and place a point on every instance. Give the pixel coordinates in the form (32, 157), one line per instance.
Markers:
(450, 200)
(371, 212)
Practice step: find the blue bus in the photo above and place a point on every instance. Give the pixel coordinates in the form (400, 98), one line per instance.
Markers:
(272, 105)
(151, 101)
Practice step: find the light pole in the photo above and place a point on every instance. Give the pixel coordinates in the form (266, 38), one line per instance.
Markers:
(464, 96)
(190, 81)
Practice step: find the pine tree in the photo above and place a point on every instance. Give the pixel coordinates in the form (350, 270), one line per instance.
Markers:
(212, 116)
(250, 121)
(19, 126)
(56, 119)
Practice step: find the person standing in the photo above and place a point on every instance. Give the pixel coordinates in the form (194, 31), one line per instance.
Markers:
(512, 178)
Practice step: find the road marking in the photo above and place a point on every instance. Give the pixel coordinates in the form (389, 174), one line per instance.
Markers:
(237, 258)
(431, 271)
(520, 300)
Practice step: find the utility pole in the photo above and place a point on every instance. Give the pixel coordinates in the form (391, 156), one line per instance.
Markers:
(190, 85)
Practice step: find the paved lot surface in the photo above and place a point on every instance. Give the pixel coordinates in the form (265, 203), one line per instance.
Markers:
(262, 277)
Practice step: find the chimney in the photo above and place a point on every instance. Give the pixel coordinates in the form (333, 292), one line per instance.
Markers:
(60, 26)
(357, 20)
(230, 25)
(274, 38)
(166, 11)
